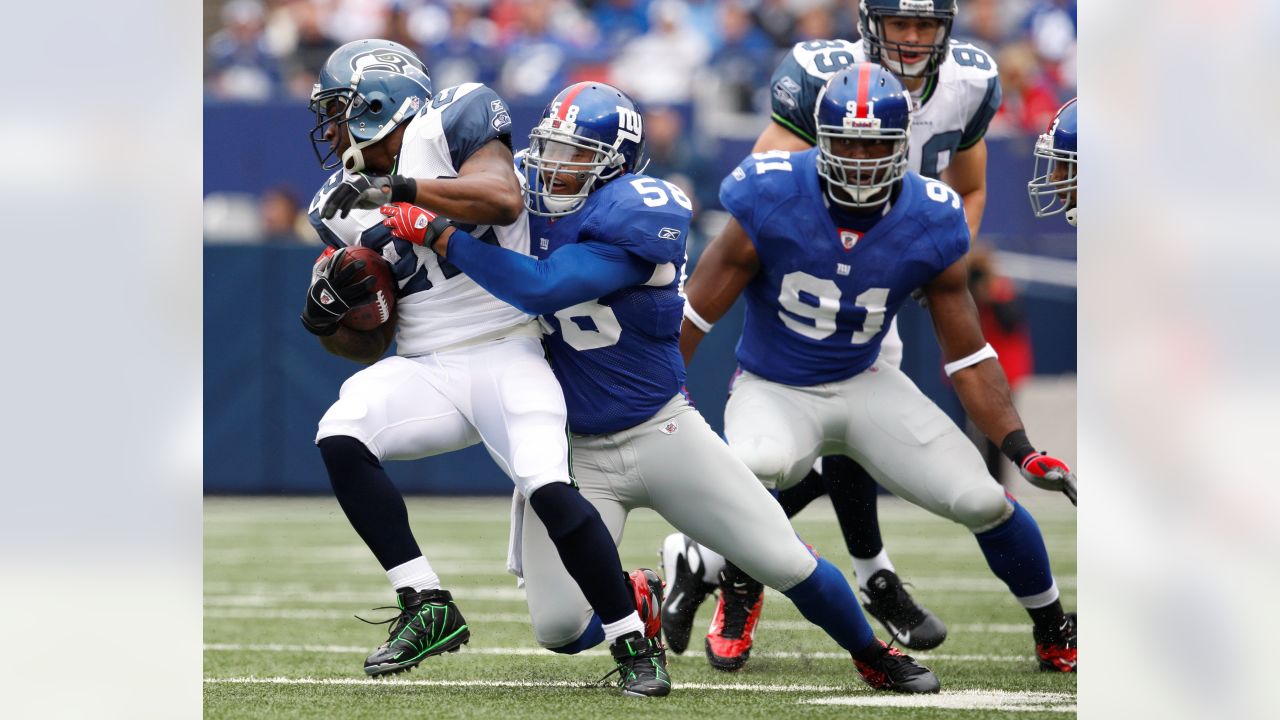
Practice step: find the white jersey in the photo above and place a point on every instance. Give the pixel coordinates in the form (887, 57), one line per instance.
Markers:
(437, 306)
(952, 110)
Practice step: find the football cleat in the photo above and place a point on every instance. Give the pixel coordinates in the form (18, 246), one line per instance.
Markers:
(1059, 654)
(646, 586)
(909, 623)
(734, 624)
(642, 666)
(897, 672)
(429, 624)
(682, 565)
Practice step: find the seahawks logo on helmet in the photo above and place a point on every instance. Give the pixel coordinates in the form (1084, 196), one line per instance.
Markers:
(385, 60)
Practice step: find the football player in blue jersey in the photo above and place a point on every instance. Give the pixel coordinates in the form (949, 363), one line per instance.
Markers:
(468, 368)
(609, 250)
(1053, 181)
(826, 245)
(956, 89)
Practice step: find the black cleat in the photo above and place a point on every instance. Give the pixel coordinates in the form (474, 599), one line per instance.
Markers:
(909, 623)
(642, 666)
(686, 590)
(1058, 653)
(892, 670)
(429, 624)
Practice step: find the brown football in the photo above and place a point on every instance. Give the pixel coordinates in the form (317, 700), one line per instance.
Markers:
(375, 311)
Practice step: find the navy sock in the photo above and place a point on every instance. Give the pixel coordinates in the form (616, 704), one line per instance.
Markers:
(826, 600)
(853, 496)
(1016, 553)
(586, 548)
(798, 496)
(372, 503)
(591, 637)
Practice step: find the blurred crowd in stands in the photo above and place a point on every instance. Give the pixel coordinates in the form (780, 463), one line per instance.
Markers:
(700, 68)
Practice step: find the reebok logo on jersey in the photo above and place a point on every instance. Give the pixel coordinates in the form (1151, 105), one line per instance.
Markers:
(669, 234)
(785, 91)
(670, 428)
(739, 174)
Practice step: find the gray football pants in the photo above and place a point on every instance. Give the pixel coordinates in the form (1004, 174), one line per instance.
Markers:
(675, 464)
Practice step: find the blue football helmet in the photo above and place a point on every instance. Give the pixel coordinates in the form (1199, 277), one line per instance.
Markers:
(1053, 181)
(590, 130)
(368, 87)
(871, 25)
(863, 102)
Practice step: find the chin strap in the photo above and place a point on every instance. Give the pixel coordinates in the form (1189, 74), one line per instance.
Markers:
(353, 158)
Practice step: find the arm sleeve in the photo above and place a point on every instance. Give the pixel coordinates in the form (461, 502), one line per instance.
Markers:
(573, 274)
(793, 97)
(977, 127)
(471, 121)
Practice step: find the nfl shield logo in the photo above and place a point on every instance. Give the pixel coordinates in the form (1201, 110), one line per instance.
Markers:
(670, 428)
(849, 238)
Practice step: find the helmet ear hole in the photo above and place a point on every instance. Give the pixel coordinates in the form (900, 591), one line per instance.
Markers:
(375, 106)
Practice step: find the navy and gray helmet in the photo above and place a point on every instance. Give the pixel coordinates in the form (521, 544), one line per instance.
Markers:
(590, 130)
(871, 25)
(368, 88)
(1053, 180)
(863, 102)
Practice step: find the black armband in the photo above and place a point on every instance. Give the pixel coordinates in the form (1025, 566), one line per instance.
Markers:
(1017, 447)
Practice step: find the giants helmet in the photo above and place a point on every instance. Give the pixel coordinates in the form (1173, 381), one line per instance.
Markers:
(368, 87)
(862, 102)
(589, 118)
(1053, 181)
(871, 25)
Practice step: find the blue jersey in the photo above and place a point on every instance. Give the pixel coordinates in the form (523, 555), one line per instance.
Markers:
(618, 358)
(824, 296)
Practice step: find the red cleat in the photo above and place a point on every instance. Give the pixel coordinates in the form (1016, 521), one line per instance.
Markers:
(646, 586)
(734, 624)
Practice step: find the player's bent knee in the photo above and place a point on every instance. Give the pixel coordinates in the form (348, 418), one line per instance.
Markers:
(765, 457)
(981, 508)
(567, 634)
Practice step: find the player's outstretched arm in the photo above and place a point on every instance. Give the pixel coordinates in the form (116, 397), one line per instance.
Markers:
(725, 268)
(967, 175)
(486, 191)
(980, 382)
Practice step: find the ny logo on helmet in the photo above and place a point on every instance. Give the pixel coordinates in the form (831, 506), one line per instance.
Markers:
(629, 125)
(385, 60)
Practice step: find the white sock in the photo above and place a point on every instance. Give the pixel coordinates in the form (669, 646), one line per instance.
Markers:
(864, 569)
(628, 624)
(1048, 597)
(416, 574)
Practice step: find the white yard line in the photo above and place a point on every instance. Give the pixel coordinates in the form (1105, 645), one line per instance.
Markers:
(529, 651)
(507, 684)
(963, 700)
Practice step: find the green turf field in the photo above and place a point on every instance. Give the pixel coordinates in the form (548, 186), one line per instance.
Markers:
(283, 578)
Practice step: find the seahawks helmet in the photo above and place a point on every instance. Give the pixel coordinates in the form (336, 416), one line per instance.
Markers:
(862, 102)
(1053, 181)
(591, 130)
(368, 88)
(871, 25)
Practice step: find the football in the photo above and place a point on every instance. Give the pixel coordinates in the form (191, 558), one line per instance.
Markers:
(375, 311)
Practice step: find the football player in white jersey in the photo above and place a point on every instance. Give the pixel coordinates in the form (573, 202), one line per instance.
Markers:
(469, 367)
(956, 90)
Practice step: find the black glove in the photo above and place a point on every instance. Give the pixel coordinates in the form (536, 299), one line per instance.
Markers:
(332, 293)
(368, 192)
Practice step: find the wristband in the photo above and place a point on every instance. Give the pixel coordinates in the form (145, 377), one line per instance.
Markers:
(403, 189)
(956, 366)
(1017, 447)
(696, 319)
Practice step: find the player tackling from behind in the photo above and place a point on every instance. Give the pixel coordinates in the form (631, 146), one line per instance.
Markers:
(826, 245)
(609, 251)
(469, 367)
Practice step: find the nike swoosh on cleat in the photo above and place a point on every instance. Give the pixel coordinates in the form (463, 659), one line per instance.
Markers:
(673, 604)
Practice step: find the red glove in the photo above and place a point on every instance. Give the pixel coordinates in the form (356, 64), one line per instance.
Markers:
(415, 224)
(1050, 473)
